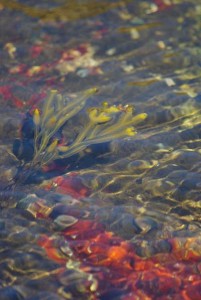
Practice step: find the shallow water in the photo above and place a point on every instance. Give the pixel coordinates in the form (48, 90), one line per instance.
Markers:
(121, 221)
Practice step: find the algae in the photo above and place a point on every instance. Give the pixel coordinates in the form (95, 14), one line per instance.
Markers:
(104, 124)
(70, 11)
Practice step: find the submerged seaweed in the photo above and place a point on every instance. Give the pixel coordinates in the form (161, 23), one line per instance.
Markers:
(104, 124)
(69, 11)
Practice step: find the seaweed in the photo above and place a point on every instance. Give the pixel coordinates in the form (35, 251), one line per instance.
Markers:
(104, 124)
(69, 11)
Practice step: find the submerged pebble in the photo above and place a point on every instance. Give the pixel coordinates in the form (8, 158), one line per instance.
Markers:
(64, 221)
(10, 293)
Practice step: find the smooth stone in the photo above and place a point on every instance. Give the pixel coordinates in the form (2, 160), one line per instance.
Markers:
(64, 221)
(9, 293)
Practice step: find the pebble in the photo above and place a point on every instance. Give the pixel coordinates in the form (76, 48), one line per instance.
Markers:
(64, 221)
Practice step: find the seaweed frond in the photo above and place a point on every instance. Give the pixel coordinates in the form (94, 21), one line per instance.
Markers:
(105, 123)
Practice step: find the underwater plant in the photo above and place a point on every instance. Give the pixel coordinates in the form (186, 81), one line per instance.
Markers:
(104, 124)
(69, 11)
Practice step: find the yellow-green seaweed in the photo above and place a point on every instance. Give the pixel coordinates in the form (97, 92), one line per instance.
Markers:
(105, 123)
(69, 11)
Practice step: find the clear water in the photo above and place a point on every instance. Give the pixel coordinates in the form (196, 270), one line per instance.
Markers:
(123, 220)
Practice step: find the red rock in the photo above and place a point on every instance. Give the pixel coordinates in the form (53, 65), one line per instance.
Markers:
(71, 185)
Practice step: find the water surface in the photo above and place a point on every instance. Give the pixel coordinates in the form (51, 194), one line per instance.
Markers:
(123, 220)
